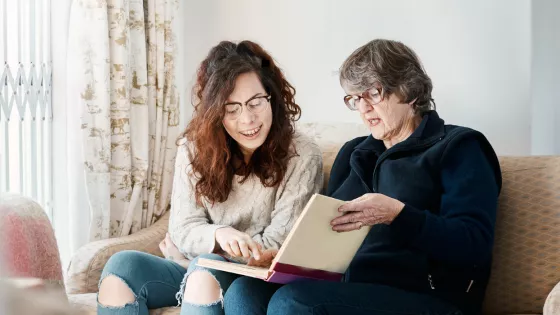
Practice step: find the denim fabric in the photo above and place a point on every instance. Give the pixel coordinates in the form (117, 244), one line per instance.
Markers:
(223, 278)
(153, 280)
(333, 298)
(249, 296)
(157, 282)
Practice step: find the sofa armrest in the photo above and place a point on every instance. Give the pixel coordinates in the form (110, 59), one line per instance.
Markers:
(87, 263)
(552, 304)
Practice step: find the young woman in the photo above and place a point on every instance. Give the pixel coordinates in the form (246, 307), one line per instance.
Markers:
(242, 178)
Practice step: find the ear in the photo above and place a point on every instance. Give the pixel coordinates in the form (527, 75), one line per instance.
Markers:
(413, 102)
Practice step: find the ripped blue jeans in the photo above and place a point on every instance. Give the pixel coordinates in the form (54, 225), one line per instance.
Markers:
(157, 282)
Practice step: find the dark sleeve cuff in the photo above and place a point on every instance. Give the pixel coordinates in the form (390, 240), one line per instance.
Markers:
(409, 223)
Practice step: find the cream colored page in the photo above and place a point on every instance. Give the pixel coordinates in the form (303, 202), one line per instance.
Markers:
(313, 244)
(244, 270)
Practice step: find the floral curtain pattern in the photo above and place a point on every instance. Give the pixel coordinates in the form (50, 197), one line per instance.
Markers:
(121, 61)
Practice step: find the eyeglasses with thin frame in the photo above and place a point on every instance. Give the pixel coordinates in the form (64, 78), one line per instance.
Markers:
(373, 96)
(255, 105)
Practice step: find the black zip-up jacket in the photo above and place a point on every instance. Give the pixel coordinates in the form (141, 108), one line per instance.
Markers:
(441, 243)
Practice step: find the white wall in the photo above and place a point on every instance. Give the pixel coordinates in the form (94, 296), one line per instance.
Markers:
(545, 82)
(478, 53)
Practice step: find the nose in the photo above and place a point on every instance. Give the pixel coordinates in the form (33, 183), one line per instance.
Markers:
(246, 116)
(364, 106)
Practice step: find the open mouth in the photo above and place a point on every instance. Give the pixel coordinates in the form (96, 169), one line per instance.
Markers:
(251, 134)
(374, 121)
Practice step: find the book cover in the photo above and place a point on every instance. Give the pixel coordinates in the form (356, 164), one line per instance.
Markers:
(312, 250)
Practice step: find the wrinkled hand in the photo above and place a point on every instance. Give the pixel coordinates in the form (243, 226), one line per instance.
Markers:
(265, 260)
(369, 209)
(169, 250)
(237, 243)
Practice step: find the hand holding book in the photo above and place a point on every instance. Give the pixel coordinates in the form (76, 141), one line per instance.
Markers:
(312, 249)
(367, 210)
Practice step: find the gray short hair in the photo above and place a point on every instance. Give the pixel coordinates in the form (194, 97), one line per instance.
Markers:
(393, 66)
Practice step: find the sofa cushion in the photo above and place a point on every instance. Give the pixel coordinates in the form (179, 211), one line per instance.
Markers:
(526, 262)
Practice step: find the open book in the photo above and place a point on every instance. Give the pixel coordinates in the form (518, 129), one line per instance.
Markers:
(312, 250)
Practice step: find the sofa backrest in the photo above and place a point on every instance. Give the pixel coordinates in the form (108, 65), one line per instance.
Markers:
(526, 257)
(526, 263)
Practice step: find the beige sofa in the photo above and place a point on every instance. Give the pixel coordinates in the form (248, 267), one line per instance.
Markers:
(526, 267)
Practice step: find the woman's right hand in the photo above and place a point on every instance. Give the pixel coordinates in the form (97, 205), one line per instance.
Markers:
(237, 243)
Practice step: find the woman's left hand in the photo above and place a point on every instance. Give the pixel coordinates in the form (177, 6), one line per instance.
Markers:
(369, 209)
(169, 250)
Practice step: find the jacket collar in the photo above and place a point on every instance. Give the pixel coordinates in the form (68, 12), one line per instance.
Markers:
(431, 126)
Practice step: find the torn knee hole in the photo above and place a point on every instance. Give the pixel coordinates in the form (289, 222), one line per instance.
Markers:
(115, 292)
(201, 288)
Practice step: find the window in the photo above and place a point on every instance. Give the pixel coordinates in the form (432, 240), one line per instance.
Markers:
(25, 100)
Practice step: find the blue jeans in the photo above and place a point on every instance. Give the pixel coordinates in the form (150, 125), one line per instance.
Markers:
(157, 282)
(333, 298)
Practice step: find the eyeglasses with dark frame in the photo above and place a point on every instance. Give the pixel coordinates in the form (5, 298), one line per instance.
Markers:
(373, 96)
(255, 105)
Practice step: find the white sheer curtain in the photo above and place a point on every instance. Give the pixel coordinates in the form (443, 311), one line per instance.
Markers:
(122, 116)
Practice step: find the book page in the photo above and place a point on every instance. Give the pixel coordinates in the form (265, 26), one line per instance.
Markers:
(244, 270)
(313, 244)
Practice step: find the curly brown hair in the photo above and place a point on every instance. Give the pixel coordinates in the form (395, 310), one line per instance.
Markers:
(216, 157)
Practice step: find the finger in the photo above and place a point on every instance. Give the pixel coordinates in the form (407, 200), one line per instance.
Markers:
(347, 227)
(251, 262)
(358, 204)
(347, 218)
(244, 249)
(162, 247)
(255, 250)
(226, 248)
(235, 248)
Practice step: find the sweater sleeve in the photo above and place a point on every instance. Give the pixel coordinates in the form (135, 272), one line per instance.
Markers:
(304, 177)
(462, 233)
(189, 224)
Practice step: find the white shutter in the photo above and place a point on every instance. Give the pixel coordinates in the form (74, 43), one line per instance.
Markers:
(25, 100)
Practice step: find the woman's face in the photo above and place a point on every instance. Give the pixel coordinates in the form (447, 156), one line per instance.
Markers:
(247, 113)
(385, 116)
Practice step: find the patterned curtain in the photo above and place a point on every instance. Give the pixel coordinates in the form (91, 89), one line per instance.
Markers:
(121, 63)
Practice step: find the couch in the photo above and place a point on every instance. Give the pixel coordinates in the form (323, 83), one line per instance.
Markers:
(28, 247)
(526, 265)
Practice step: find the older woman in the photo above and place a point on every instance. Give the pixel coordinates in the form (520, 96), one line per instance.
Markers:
(429, 191)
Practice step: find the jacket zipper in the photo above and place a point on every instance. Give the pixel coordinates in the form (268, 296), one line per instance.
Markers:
(387, 153)
(431, 282)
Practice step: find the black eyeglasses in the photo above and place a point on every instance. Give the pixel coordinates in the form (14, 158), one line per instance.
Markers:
(373, 96)
(255, 105)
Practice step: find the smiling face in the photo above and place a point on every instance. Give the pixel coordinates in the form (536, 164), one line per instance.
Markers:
(249, 127)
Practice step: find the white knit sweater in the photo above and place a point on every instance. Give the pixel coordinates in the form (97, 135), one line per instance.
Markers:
(265, 213)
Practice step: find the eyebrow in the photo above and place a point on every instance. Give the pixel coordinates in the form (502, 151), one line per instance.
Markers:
(250, 99)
